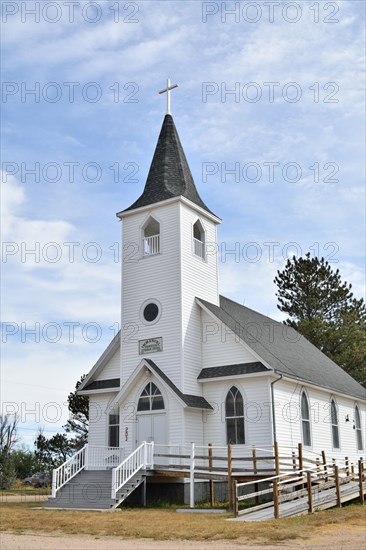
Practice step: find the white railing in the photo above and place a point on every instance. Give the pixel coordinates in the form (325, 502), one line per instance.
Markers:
(69, 469)
(140, 459)
(199, 248)
(102, 458)
(151, 245)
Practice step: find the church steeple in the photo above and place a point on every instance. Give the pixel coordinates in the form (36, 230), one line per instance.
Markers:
(169, 175)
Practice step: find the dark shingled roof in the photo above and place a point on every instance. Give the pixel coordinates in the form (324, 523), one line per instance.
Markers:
(169, 175)
(195, 401)
(284, 349)
(231, 370)
(103, 384)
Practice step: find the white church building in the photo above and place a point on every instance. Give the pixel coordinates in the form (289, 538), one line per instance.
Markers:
(191, 366)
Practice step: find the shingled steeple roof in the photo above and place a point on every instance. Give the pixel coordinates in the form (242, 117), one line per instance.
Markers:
(169, 175)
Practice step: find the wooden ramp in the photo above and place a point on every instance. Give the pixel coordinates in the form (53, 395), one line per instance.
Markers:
(321, 501)
(303, 492)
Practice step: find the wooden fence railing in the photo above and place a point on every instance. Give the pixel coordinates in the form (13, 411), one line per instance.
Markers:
(302, 483)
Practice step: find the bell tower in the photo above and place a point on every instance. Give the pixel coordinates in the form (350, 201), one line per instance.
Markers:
(169, 259)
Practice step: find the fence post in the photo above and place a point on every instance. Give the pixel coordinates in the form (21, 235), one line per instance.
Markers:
(254, 455)
(229, 472)
(338, 491)
(191, 481)
(276, 504)
(324, 465)
(86, 457)
(310, 492)
(301, 464)
(236, 502)
(277, 458)
(360, 481)
(114, 483)
(293, 460)
(212, 486)
(54, 483)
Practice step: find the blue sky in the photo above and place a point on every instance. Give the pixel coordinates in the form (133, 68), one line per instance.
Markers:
(270, 111)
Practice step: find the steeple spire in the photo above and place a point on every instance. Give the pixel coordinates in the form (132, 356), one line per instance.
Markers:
(169, 175)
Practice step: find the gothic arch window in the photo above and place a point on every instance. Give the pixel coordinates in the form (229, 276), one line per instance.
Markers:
(150, 399)
(199, 239)
(305, 420)
(151, 237)
(234, 416)
(358, 429)
(335, 425)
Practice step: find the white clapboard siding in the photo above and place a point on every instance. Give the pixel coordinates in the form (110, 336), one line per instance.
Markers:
(99, 409)
(199, 279)
(257, 410)
(288, 420)
(220, 346)
(153, 277)
(112, 368)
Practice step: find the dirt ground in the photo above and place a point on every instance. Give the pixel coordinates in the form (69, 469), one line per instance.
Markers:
(335, 537)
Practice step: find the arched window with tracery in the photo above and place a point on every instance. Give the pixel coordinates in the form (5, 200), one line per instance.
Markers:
(151, 399)
(234, 416)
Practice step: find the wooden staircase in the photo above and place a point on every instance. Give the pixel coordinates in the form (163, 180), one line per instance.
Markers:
(91, 490)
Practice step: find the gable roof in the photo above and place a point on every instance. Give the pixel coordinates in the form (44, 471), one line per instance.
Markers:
(284, 349)
(195, 401)
(169, 175)
(110, 350)
(231, 370)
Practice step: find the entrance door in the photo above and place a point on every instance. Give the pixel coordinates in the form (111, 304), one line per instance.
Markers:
(151, 416)
(151, 427)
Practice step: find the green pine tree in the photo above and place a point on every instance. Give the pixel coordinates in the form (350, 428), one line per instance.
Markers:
(324, 310)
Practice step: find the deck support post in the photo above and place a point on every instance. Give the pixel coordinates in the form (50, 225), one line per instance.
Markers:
(360, 481)
(310, 492)
(229, 474)
(143, 495)
(212, 485)
(191, 479)
(276, 503)
(337, 486)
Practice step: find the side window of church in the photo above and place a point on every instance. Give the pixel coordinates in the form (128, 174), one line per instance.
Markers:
(305, 420)
(199, 240)
(113, 430)
(358, 429)
(335, 424)
(151, 237)
(234, 414)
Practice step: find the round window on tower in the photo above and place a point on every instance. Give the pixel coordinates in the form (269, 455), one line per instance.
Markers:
(150, 312)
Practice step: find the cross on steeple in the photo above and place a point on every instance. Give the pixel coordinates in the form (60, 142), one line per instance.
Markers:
(167, 91)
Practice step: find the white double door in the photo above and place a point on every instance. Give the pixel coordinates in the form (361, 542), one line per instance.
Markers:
(151, 427)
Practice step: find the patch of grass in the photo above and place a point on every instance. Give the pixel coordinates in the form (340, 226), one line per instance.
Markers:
(166, 524)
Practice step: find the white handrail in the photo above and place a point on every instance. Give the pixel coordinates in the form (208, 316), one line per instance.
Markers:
(68, 470)
(141, 458)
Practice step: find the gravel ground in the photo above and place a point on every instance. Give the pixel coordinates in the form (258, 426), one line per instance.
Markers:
(336, 537)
